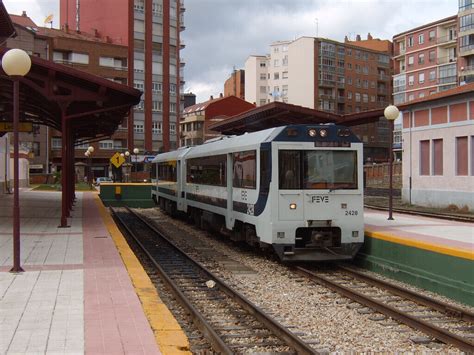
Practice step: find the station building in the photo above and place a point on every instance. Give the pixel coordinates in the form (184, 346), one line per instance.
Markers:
(438, 149)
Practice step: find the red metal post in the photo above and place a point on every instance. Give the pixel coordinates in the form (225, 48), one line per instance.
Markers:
(64, 204)
(390, 194)
(16, 180)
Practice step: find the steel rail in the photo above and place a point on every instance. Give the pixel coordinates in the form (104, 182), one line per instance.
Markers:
(390, 311)
(278, 330)
(457, 218)
(443, 307)
(196, 316)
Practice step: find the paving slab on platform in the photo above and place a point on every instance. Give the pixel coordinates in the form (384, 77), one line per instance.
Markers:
(75, 295)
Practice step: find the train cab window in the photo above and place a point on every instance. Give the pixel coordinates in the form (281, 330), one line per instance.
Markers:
(153, 172)
(289, 170)
(245, 169)
(329, 169)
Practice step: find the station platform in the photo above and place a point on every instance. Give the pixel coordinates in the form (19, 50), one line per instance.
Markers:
(434, 254)
(83, 290)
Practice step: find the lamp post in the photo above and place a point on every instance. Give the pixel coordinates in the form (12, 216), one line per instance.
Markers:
(88, 154)
(16, 63)
(391, 113)
(135, 151)
(127, 155)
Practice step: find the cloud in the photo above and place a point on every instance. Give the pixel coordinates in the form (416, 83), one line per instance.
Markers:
(36, 9)
(222, 34)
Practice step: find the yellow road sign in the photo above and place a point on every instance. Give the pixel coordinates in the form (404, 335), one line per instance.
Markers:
(22, 127)
(117, 160)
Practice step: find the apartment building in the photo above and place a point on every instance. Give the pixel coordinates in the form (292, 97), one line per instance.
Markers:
(36, 141)
(330, 76)
(197, 118)
(82, 51)
(235, 85)
(425, 60)
(151, 31)
(466, 41)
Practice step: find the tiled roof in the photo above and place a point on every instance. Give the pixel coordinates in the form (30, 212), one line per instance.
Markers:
(201, 106)
(441, 95)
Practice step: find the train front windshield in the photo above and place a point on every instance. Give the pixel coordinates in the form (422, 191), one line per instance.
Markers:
(317, 169)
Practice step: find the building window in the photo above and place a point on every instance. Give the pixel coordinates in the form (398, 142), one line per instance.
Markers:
(276, 63)
(365, 98)
(425, 157)
(156, 86)
(461, 156)
(263, 102)
(173, 88)
(106, 144)
(432, 56)
(410, 41)
(172, 107)
(156, 106)
(411, 97)
(262, 65)
(263, 89)
(156, 127)
(432, 35)
(276, 76)
(349, 81)
(138, 127)
(56, 143)
(432, 75)
(357, 97)
(411, 80)
(349, 95)
(138, 84)
(284, 75)
(411, 60)
(437, 157)
(421, 39)
(263, 76)
(372, 98)
(284, 61)
(138, 66)
(421, 58)
(421, 95)
(172, 128)
(421, 78)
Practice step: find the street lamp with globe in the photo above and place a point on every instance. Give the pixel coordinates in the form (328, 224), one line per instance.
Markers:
(136, 151)
(391, 114)
(16, 63)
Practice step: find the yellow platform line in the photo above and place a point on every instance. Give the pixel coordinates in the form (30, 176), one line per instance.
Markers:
(464, 254)
(168, 333)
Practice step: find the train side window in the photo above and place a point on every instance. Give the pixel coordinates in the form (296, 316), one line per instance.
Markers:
(264, 171)
(245, 169)
(209, 170)
(289, 170)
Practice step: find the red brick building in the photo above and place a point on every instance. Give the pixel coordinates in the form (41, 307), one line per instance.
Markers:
(197, 118)
(235, 85)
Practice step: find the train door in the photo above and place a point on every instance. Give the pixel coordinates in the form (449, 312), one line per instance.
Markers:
(229, 219)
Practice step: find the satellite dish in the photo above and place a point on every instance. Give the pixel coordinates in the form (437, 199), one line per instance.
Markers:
(49, 18)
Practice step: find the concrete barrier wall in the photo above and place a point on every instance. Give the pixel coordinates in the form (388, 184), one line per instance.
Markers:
(126, 194)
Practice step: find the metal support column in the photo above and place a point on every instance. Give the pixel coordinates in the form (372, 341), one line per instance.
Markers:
(64, 182)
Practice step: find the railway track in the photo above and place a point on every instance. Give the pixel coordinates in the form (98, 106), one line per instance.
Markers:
(230, 322)
(446, 323)
(451, 217)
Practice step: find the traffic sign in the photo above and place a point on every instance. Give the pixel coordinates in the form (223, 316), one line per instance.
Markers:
(117, 160)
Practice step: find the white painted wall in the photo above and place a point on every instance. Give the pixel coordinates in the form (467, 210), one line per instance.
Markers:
(277, 65)
(438, 191)
(301, 66)
(253, 81)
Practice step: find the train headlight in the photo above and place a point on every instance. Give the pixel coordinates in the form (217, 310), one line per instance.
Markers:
(292, 206)
(323, 133)
(312, 132)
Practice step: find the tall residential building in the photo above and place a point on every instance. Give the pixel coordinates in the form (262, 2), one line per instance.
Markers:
(330, 76)
(425, 60)
(151, 30)
(466, 41)
(235, 85)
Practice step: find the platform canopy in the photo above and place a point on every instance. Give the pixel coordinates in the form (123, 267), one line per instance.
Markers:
(93, 106)
(277, 114)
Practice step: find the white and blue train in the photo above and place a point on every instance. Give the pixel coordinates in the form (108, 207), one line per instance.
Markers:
(296, 189)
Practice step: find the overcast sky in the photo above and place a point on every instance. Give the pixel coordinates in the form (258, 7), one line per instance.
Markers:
(221, 34)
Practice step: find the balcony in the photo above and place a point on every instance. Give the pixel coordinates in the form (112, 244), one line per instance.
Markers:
(327, 97)
(181, 6)
(381, 91)
(466, 50)
(182, 44)
(383, 77)
(182, 62)
(182, 27)
(445, 60)
(323, 82)
(446, 40)
(341, 99)
(467, 71)
(448, 80)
